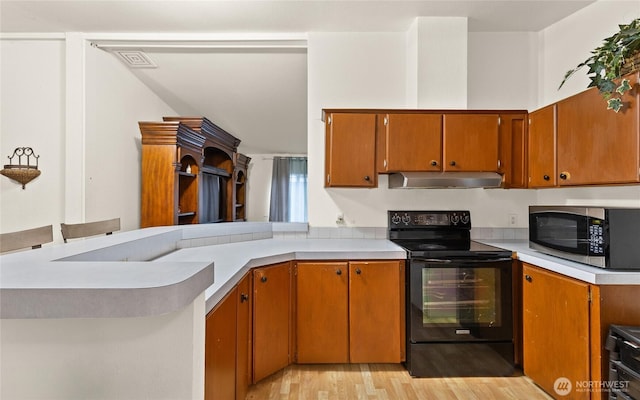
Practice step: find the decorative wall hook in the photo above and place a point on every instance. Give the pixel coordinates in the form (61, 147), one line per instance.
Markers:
(23, 173)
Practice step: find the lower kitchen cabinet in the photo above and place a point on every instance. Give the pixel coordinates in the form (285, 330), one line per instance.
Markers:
(376, 312)
(322, 315)
(271, 319)
(244, 337)
(220, 350)
(565, 325)
(227, 345)
(555, 329)
(345, 312)
(350, 312)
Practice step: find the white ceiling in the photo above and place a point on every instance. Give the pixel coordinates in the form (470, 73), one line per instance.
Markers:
(258, 94)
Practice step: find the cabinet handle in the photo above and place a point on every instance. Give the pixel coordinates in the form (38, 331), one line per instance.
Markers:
(434, 163)
(243, 297)
(452, 163)
(339, 272)
(546, 177)
(367, 178)
(528, 278)
(263, 279)
(564, 175)
(358, 271)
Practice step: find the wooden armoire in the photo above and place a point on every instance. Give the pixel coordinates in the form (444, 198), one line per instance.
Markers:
(191, 173)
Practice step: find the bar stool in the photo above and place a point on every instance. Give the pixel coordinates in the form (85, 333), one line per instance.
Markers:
(74, 231)
(33, 238)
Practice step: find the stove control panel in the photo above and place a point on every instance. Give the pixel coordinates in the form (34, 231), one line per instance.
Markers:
(430, 219)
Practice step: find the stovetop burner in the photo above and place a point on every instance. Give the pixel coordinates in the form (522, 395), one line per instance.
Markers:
(438, 234)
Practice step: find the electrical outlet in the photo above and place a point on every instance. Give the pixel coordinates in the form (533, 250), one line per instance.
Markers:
(513, 219)
(340, 219)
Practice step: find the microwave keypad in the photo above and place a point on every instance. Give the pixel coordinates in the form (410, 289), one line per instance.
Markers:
(596, 240)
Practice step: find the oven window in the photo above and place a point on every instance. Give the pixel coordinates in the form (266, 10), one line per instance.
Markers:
(461, 297)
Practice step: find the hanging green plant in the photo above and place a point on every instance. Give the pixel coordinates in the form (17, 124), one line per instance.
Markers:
(606, 61)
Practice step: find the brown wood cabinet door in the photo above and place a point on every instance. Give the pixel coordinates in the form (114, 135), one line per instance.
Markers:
(413, 142)
(513, 150)
(470, 142)
(542, 147)
(271, 319)
(555, 329)
(322, 322)
(243, 353)
(350, 151)
(220, 350)
(596, 145)
(376, 316)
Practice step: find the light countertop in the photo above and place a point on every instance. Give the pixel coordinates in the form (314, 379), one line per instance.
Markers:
(154, 271)
(233, 260)
(583, 272)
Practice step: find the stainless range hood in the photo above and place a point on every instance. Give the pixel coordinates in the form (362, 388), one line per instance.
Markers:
(423, 180)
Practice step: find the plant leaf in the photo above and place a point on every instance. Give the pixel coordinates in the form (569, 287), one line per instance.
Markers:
(614, 104)
(624, 86)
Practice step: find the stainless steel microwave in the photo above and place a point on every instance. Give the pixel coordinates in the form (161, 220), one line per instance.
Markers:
(598, 236)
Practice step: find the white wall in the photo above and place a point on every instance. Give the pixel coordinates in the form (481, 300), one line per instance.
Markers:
(502, 71)
(34, 97)
(32, 115)
(115, 101)
(159, 357)
(569, 42)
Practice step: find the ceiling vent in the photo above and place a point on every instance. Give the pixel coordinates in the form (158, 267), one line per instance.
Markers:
(135, 59)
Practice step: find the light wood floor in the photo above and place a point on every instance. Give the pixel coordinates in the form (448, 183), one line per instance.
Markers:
(385, 381)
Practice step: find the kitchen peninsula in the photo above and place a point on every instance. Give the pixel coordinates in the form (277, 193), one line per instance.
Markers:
(95, 318)
(124, 315)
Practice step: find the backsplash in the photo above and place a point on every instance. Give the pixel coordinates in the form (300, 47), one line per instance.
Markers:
(381, 233)
(212, 234)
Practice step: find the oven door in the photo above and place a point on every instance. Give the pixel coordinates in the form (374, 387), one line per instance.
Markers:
(460, 300)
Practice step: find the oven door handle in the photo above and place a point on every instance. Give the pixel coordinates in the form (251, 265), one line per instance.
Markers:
(460, 260)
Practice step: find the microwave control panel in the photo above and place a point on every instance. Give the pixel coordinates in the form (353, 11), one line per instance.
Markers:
(596, 237)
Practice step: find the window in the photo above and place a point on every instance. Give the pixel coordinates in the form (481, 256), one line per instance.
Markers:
(289, 190)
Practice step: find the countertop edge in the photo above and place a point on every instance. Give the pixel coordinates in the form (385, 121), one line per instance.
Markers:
(35, 303)
(571, 269)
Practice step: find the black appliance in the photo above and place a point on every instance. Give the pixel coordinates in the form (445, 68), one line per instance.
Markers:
(623, 344)
(459, 297)
(598, 236)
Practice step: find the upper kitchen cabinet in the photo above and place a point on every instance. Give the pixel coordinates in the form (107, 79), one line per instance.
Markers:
(410, 142)
(470, 142)
(595, 145)
(350, 150)
(542, 147)
(512, 149)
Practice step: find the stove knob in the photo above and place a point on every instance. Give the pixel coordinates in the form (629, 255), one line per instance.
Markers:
(464, 219)
(395, 219)
(406, 219)
(455, 219)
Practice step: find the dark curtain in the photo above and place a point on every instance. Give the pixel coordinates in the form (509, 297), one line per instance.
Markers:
(279, 207)
(212, 191)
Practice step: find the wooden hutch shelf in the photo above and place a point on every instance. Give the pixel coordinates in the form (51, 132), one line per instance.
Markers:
(191, 173)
